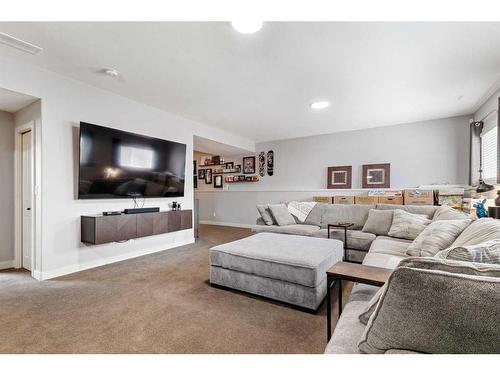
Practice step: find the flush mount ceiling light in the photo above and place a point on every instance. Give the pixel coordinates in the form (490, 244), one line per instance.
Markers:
(111, 72)
(19, 44)
(247, 26)
(321, 104)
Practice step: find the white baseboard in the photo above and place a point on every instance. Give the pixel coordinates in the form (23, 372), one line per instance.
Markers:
(237, 225)
(45, 275)
(7, 264)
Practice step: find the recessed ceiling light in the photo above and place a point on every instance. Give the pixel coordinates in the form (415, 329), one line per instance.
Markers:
(19, 44)
(322, 104)
(111, 72)
(247, 26)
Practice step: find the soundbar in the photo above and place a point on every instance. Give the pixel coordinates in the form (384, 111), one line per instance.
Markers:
(112, 213)
(142, 210)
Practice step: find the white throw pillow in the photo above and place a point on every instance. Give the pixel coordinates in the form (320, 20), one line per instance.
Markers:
(481, 230)
(406, 225)
(437, 236)
(486, 252)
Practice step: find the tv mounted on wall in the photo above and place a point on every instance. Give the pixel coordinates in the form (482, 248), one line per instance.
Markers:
(119, 164)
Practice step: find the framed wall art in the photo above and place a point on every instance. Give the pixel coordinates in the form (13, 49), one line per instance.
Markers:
(376, 176)
(249, 165)
(208, 176)
(201, 174)
(229, 165)
(218, 181)
(339, 177)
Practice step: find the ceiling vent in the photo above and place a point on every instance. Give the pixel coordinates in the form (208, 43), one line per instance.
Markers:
(19, 44)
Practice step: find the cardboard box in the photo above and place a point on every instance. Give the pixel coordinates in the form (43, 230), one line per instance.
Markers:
(365, 199)
(391, 200)
(343, 199)
(418, 196)
(328, 200)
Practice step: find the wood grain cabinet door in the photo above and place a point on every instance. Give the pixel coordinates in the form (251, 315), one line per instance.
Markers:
(186, 219)
(105, 229)
(145, 224)
(126, 227)
(160, 223)
(174, 221)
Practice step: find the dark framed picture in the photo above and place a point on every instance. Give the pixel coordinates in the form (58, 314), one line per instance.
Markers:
(201, 174)
(249, 165)
(238, 167)
(195, 182)
(208, 176)
(230, 165)
(339, 177)
(376, 176)
(218, 181)
(216, 160)
(194, 167)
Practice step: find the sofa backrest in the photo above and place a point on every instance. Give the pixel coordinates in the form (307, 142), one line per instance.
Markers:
(346, 213)
(413, 209)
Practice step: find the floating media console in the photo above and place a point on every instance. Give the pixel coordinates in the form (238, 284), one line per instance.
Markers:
(100, 229)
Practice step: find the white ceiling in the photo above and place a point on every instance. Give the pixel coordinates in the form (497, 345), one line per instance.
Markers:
(260, 85)
(211, 147)
(11, 101)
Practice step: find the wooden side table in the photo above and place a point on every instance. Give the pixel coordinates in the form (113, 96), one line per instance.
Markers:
(494, 212)
(358, 273)
(345, 226)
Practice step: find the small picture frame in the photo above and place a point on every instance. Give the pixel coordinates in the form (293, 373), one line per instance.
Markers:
(238, 167)
(201, 174)
(230, 165)
(195, 182)
(218, 181)
(339, 177)
(216, 160)
(377, 176)
(208, 176)
(249, 165)
(194, 167)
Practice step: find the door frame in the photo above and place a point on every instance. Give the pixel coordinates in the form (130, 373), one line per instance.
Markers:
(18, 204)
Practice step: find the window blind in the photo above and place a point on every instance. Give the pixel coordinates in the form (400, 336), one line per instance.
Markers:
(489, 150)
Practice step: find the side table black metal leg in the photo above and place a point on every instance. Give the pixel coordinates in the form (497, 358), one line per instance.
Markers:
(329, 284)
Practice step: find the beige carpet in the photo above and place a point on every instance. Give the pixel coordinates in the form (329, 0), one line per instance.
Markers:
(159, 303)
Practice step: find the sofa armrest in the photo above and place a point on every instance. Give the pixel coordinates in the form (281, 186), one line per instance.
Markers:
(435, 306)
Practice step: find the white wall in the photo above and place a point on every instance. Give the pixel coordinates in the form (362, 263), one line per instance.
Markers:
(429, 152)
(6, 190)
(66, 102)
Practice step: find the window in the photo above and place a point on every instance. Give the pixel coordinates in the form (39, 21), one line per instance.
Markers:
(489, 150)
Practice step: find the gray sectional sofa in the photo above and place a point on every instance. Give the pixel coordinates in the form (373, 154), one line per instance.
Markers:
(441, 276)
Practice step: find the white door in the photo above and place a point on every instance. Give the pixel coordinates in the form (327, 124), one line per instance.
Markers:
(27, 199)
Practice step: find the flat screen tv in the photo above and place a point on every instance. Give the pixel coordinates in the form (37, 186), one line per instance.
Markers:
(118, 164)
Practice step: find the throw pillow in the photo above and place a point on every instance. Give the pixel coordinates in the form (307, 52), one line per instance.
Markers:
(406, 225)
(419, 311)
(481, 230)
(448, 213)
(486, 252)
(265, 214)
(437, 236)
(364, 317)
(379, 222)
(281, 214)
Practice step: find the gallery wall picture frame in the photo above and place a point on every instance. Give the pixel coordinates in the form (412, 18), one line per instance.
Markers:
(208, 176)
(195, 182)
(376, 176)
(339, 177)
(249, 165)
(194, 167)
(229, 165)
(201, 174)
(218, 181)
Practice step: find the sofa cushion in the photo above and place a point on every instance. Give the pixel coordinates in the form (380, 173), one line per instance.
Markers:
(346, 213)
(419, 310)
(486, 252)
(448, 213)
(437, 236)
(314, 217)
(426, 210)
(298, 229)
(265, 214)
(479, 231)
(383, 260)
(281, 215)
(356, 239)
(390, 246)
(378, 222)
(297, 259)
(407, 225)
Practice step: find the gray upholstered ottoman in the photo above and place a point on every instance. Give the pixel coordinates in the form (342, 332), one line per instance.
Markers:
(283, 267)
